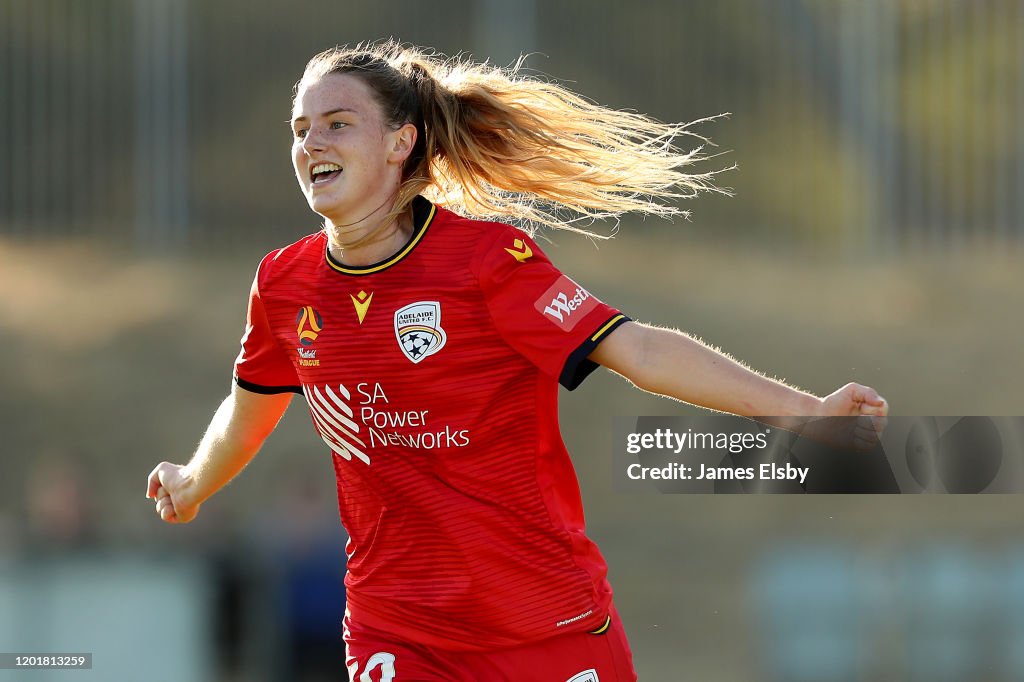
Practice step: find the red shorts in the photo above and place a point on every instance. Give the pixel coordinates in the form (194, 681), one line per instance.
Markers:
(374, 656)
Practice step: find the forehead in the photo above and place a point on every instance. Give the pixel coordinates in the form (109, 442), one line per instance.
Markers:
(334, 91)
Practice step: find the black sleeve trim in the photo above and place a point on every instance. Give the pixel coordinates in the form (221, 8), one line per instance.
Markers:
(266, 390)
(578, 367)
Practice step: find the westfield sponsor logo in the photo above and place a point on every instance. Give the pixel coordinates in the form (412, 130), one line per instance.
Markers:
(565, 303)
(563, 306)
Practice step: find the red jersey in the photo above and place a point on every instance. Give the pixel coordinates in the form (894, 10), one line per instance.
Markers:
(433, 378)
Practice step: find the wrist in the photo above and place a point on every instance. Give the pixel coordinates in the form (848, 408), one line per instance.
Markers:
(806, 405)
(188, 493)
(819, 407)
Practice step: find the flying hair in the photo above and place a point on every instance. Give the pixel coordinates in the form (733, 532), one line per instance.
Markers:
(494, 143)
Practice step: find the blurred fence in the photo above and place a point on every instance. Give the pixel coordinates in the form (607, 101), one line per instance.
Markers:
(129, 613)
(940, 611)
(865, 125)
(94, 118)
(238, 613)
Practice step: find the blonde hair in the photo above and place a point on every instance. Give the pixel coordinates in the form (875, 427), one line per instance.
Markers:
(495, 144)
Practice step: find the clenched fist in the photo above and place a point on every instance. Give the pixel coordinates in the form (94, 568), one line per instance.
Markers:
(854, 400)
(870, 412)
(170, 486)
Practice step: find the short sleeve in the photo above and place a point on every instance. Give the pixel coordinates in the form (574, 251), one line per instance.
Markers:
(543, 314)
(262, 365)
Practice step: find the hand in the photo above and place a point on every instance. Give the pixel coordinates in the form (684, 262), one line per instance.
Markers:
(169, 485)
(852, 400)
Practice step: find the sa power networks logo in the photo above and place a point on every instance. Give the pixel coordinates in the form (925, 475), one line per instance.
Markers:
(334, 420)
(418, 328)
(355, 422)
(565, 303)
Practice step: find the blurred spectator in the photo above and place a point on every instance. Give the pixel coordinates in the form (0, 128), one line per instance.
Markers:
(58, 515)
(305, 544)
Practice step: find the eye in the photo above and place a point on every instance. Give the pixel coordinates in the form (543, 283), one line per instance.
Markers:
(300, 133)
(337, 125)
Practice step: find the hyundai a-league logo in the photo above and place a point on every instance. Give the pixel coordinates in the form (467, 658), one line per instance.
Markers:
(309, 323)
(418, 328)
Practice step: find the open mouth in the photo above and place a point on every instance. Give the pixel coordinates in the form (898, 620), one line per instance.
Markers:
(323, 173)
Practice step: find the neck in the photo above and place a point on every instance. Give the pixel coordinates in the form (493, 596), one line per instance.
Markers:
(366, 242)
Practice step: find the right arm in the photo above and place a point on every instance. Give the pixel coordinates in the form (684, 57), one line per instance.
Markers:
(236, 433)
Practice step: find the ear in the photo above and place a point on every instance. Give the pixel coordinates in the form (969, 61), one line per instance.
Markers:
(402, 142)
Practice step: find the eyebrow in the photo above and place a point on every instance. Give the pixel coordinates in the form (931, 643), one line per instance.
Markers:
(326, 113)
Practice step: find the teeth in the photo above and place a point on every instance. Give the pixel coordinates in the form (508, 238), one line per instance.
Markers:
(325, 168)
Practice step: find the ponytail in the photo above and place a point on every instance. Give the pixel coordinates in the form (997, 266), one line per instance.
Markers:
(495, 144)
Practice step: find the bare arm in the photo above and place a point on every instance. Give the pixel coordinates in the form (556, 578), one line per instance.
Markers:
(673, 364)
(235, 434)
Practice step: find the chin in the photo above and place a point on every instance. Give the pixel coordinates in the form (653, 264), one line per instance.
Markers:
(322, 207)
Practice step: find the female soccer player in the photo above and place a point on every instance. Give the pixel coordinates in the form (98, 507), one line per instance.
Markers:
(429, 345)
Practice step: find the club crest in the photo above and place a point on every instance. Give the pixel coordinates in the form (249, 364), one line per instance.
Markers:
(585, 676)
(418, 328)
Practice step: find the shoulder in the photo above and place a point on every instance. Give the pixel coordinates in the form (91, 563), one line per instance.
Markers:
(455, 226)
(300, 255)
(483, 241)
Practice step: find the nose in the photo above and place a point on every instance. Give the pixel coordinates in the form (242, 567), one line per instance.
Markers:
(313, 141)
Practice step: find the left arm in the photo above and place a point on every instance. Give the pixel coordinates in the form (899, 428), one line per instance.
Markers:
(676, 365)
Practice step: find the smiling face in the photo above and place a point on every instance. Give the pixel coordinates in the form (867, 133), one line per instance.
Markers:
(347, 160)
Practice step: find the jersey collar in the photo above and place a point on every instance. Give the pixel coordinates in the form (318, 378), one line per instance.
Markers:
(422, 215)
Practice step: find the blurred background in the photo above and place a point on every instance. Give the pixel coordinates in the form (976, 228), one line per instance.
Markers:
(875, 236)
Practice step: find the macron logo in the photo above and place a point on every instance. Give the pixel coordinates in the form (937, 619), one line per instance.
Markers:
(565, 303)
